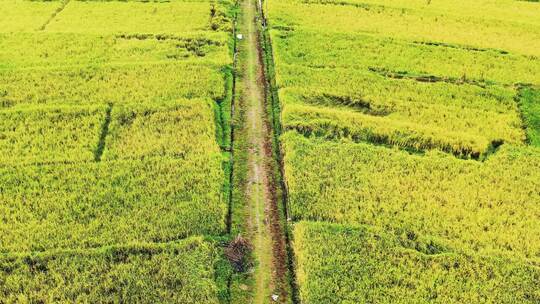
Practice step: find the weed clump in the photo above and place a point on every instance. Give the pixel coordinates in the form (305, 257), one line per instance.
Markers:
(239, 254)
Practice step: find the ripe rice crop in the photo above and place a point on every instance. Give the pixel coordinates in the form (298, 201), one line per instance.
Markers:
(461, 119)
(50, 134)
(25, 16)
(178, 272)
(111, 84)
(318, 49)
(39, 50)
(479, 207)
(377, 99)
(504, 11)
(357, 264)
(404, 157)
(335, 124)
(88, 205)
(113, 186)
(132, 17)
(416, 94)
(413, 94)
(435, 23)
(168, 129)
(356, 88)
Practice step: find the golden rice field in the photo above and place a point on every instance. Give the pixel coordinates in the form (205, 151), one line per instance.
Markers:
(411, 155)
(399, 158)
(114, 119)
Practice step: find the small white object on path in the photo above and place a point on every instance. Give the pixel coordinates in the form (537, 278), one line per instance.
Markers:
(275, 297)
(240, 36)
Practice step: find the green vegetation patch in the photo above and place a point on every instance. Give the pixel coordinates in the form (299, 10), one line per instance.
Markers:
(179, 272)
(176, 129)
(355, 264)
(476, 206)
(50, 134)
(529, 102)
(88, 205)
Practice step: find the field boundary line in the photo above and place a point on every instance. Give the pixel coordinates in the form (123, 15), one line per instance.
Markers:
(103, 136)
(232, 139)
(54, 14)
(114, 64)
(491, 149)
(98, 249)
(530, 122)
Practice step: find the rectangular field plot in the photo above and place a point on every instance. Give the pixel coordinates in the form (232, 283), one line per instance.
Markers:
(400, 93)
(384, 94)
(31, 50)
(25, 16)
(112, 84)
(501, 10)
(132, 17)
(465, 120)
(175, 129)
(332, 123)
(385, 18)
(409, 133)
(475, 206)
(95, 204)
(113, 185)
(404, 58)
(50, 134)
(355, 264)
(179, 272)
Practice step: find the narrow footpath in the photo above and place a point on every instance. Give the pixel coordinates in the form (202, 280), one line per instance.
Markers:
(262, 212)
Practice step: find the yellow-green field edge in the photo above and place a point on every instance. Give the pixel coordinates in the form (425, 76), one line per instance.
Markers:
(528, 100)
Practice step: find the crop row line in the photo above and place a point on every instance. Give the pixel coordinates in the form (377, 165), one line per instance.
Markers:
(432, 78)
(364, 6)
(113, 64)
(461, 47)
(54, 14)
(230, 149)
(103, 136)
(383, 140)
(87, 251)
(232, 138)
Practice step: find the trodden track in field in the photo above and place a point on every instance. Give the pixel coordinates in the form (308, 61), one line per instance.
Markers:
(261, 207)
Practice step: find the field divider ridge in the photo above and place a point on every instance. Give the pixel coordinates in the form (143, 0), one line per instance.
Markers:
(103, 136)
(233, 102)
(54, 14)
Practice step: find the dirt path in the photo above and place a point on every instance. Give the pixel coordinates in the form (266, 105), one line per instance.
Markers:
(262, 209)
